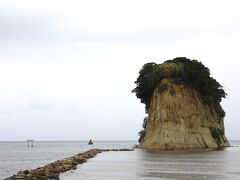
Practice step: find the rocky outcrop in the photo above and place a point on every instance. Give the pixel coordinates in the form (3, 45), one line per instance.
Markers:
(53, 170)
(178, 119)
(90, 142)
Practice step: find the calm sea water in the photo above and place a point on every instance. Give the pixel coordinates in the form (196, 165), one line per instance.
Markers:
(139, 164)
(16, 156)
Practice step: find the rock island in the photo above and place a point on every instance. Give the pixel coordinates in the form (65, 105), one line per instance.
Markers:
(182, 103)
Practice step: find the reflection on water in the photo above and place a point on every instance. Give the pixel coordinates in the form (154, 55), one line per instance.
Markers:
(145, 165)
(197, 165)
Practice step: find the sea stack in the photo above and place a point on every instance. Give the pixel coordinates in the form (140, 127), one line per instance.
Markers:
(183, 106)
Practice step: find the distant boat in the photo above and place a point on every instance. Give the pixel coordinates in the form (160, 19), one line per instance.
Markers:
(90, 142)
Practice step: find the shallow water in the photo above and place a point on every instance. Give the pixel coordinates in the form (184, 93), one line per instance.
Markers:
(146, 165)
(16, 156)
(139, 164)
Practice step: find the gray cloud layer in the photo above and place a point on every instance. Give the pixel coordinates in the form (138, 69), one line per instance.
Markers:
(67, 67)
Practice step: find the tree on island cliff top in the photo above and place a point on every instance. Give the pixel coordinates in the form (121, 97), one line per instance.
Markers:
(183, 71)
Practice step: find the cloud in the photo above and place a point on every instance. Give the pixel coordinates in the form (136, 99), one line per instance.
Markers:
(40, 105)
(77, 61)
(84, 22)
(26, 27)
(23, 106)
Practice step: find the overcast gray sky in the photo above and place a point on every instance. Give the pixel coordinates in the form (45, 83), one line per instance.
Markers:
(67, 68)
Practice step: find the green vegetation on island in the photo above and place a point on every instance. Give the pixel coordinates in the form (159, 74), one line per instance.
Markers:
(217, 134)
(182, 71)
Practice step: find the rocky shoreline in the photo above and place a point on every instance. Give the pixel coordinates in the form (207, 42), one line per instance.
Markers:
(53, 170)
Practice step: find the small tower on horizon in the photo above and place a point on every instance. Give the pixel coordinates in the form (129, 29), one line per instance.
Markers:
(30, 143)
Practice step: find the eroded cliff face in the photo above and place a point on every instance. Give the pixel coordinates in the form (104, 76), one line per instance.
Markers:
(178, 119)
